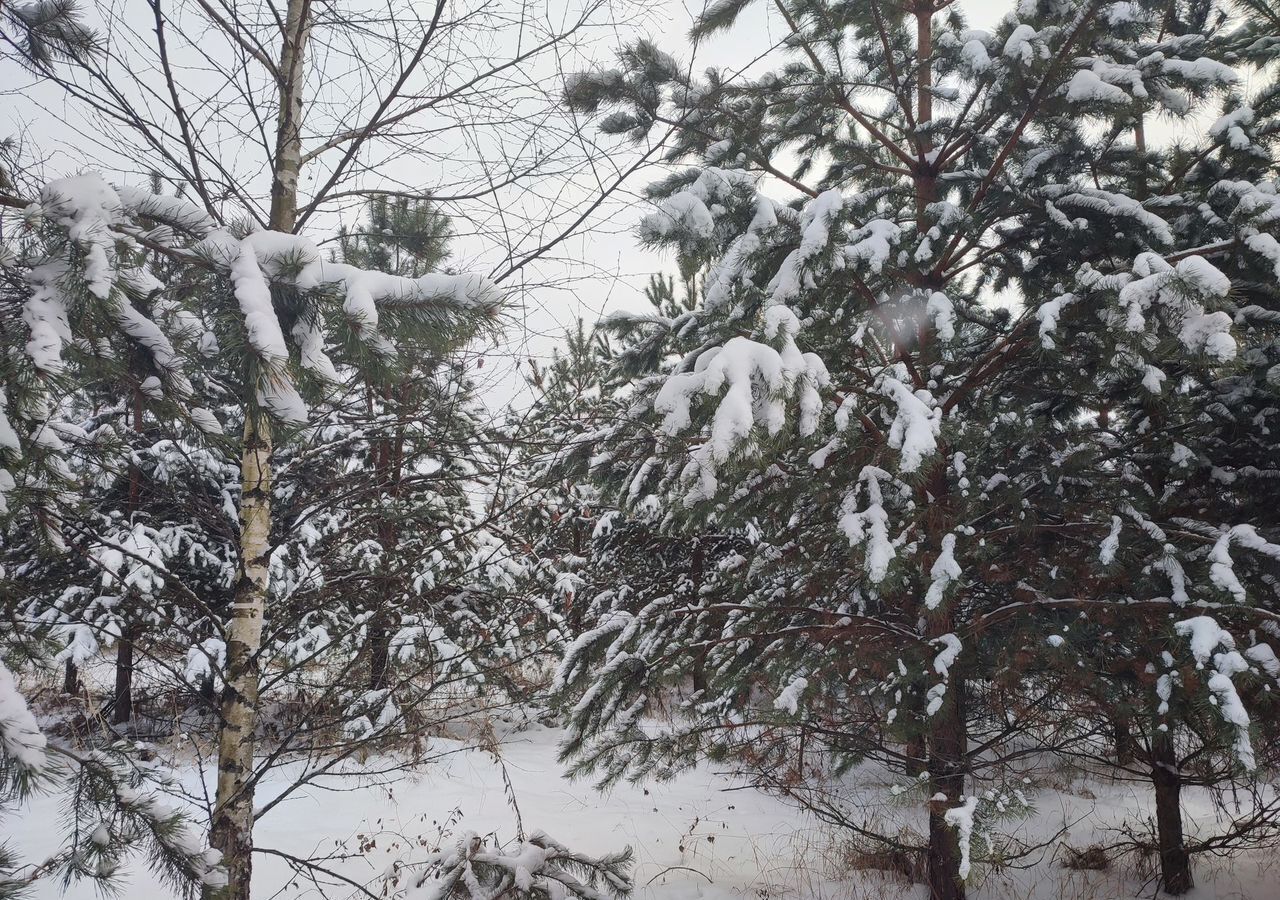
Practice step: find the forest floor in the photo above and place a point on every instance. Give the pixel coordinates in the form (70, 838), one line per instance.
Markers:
(699, 836)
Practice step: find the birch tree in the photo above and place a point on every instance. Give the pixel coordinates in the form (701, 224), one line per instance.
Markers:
(274, 120)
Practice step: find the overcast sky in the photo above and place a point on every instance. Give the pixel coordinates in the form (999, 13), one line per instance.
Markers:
(610, 270)
(626, 267)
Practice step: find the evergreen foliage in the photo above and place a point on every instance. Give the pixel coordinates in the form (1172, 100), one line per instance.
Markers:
(941, 493)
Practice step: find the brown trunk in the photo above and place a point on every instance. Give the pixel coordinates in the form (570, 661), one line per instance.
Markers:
(697, 571)
(700, 672)
(945, 738)
(71, 679)
(387, 457)
(1175, 861)
(1124, 743)
(207, 693)
(926, 180)
(122, 698)
(947, 748)
(915, 749)
(379, 652)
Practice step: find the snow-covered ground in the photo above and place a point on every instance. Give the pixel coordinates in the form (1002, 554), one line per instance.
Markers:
(700, 836)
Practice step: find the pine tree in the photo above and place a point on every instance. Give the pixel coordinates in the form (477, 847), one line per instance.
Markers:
(921, 475)
(1199, 457)
(558, 517)
(113, 808)
(55, 279)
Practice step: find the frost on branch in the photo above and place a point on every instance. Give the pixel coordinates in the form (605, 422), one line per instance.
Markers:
(538, 867)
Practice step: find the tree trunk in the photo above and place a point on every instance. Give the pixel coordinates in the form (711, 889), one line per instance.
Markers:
(1175, 862)
(1124, 743)
(387, 455)
(232, 828)
(945, 737)
(926, 177)
(122, 698)
(947, 749)
(71, 679)
(288, 157)
(698, 568)
(379, 650)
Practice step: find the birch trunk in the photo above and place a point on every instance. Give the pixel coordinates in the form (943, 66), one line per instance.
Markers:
(232, 829)
(288, 160)
(233, 817)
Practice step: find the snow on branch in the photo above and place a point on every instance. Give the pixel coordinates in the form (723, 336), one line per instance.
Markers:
(22, 745)
(756, 382)
(1222, 567)
(538, 867)
(111, 808)
(1206, 636)
(100, 222)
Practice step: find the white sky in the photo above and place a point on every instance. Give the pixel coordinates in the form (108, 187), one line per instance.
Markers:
(610, 271)
(613, 249)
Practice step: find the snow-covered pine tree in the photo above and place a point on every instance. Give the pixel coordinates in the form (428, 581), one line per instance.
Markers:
(920, 468)
(113, 809)
(253, 290)
(586, 556)
(52, 279)
(558, 515)
(425, 436)
(1190, 696)
(391, 596)
(152, 536)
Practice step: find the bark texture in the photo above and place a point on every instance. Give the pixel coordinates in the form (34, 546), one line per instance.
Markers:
(232, 829)
(71, 679)
(1175, 861)
(122, 698)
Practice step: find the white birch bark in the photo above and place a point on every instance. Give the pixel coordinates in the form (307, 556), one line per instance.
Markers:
(232, 827)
